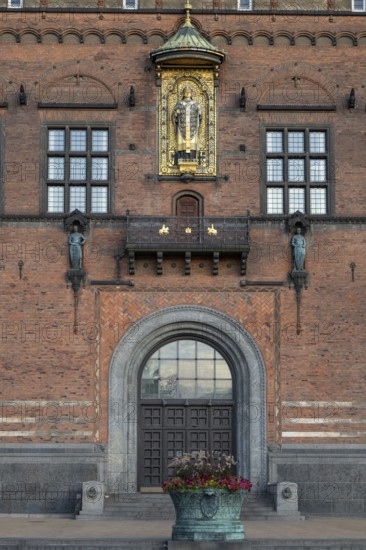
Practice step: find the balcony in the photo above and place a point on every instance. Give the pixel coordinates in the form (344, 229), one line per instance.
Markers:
(173, 235)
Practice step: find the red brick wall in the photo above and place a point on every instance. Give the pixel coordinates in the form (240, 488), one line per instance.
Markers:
(43, 361)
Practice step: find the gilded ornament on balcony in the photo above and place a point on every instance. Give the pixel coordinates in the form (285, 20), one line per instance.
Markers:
(164, 230)
(212, 231)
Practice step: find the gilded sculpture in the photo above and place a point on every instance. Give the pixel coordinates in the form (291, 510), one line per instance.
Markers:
(187, 113)
(187, 71)
(187, 118)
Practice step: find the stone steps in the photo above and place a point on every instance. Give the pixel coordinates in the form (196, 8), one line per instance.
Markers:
(74, 544)
(158, 544)
(145, 506)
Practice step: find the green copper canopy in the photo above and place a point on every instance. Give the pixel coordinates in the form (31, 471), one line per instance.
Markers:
(188, 44)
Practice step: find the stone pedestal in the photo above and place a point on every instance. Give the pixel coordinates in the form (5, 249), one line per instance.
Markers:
(285, 497)
(92, 506)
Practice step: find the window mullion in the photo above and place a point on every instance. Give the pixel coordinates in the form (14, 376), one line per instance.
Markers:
(67, 197)
(285, 169)
(307, 198)
(285, 140)
(285, 198)
(88, 168)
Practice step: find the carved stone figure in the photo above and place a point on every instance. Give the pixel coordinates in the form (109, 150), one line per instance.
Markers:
(299, 250)
(76, 241)
(187, 118)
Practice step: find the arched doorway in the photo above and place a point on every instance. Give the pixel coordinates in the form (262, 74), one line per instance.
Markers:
(233, 343)
(186, 404)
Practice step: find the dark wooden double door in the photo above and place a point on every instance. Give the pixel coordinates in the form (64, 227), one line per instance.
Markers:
(168, 430)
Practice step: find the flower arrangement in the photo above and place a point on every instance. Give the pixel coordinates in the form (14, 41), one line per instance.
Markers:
(201, 470)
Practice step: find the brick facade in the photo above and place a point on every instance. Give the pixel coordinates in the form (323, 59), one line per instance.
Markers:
(55, 381)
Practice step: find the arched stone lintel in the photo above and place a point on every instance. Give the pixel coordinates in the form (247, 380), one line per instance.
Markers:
(238, 348)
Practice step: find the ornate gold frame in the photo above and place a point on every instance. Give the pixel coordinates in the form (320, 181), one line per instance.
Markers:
(173, 81)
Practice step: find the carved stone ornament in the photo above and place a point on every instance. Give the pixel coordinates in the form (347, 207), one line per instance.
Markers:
(298, 219)
(210, 502)
(78, 218)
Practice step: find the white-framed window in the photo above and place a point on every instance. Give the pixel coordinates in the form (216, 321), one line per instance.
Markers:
(297, 170)
(130, 4)
(15, 4)
(245, 4)
(78, 169)
(358, 5)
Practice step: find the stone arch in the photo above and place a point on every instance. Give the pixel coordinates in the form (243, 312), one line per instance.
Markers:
(74, 82)
(29, 36)
(240, 38)
(50, 37)
(304, 39)
(278, 86)
(226, 335)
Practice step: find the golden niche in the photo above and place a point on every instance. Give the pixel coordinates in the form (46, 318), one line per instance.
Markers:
(187, 123)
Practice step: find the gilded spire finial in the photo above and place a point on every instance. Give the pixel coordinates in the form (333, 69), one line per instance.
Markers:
(187, 7)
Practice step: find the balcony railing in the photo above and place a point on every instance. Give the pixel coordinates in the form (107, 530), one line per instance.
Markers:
(211, 234)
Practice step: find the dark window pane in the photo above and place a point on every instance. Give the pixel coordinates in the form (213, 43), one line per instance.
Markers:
(169, 351)
(318, 201)
(275, 200)
(78, 169)
(296, 142)
(223, 389)
(56, 168)
(56, 140)
(168, 368)
(274, 170)
(274, 142)
(205, 369)
(77, 140)
(55, 199)
(187, 368)
(168, 388)
(187, 349)
(296, 200)
(296, 170)
(205, 389)
(151, 369)
(100, 141)
(186, 389)
(77, 199)
(317, 142)
(149, 389)
(99, 200)
(222, 369)
(204, 351)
